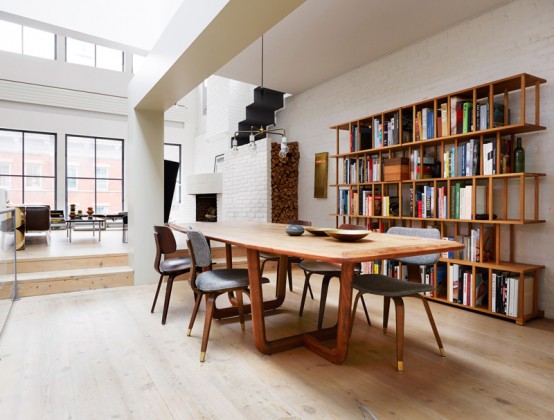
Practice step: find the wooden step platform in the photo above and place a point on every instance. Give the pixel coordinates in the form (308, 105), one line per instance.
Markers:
(58, 266)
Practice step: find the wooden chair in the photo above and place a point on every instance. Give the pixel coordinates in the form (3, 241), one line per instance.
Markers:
(171, 267)
(396, 289)
(268, 256)
(328, 271)
(212, 283)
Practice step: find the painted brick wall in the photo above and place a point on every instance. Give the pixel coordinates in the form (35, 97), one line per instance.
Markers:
(246, 185)
(515, 38)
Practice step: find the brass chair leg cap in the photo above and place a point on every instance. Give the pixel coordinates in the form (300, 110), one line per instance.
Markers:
(188, 332)
(202, 356)
(400, 367)
(443, 352)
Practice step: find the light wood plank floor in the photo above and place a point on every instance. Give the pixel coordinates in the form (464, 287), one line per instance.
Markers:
(101, 354)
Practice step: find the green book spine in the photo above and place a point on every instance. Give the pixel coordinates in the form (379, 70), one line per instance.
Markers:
(468, 117)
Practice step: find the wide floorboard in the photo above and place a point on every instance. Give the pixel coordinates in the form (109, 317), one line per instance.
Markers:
(102, 354)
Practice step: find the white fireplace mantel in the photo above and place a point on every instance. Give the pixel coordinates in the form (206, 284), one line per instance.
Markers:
(209, 183)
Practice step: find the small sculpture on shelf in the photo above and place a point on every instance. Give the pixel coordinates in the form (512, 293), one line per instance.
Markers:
(79, 214)
(90, 212)
(72, 211)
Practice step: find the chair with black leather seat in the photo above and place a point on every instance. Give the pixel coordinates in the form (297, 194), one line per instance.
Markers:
(396, 289)
(268, 256)
(171, 267)
(212, 283)
(328, 271)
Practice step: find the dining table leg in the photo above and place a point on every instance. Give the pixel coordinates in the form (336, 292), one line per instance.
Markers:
(232, 310)
(338, 352)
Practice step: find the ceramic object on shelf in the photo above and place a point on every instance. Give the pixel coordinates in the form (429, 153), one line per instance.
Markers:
(347, 235)
(294, 230)
(317, 231)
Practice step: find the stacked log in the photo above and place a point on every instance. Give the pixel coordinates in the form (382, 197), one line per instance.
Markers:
(284, 183)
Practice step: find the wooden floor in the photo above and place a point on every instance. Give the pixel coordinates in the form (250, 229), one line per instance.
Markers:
(102, 354)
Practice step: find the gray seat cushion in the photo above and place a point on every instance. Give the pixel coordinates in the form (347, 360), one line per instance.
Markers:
(379, 284)
(224, 280)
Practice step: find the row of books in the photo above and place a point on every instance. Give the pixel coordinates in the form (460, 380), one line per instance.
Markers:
(364, 203)
(386, 132)
(389, 268)
(466, 288)
(425, 124)
(478, 245)
(362, 169)
(462, 161)
(425, 202)
(360, 138)
(505, 293)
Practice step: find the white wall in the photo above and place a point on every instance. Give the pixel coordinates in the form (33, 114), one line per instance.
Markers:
(210, 135)
(516, 38)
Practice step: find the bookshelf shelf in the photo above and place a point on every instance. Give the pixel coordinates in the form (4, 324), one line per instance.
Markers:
(459, 149)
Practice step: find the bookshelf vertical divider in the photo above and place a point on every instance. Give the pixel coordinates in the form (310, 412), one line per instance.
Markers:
(459, 149)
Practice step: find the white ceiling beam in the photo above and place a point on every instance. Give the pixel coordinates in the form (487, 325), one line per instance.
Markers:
(197, 42)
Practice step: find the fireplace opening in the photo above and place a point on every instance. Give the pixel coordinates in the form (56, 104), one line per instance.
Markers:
(206, 207)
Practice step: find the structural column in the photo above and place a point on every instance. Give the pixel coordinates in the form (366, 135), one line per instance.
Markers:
(145, 188)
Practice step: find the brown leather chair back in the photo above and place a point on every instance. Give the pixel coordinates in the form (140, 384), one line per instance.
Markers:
(37, 218)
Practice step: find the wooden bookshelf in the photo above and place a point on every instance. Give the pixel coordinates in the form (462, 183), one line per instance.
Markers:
(459, 148)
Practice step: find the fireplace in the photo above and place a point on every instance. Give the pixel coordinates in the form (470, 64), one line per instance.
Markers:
(206, 207)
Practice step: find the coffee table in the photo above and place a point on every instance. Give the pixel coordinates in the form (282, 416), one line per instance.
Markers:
(96, 222)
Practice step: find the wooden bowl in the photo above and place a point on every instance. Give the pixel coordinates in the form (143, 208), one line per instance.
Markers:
(317, 231)
(347, 235)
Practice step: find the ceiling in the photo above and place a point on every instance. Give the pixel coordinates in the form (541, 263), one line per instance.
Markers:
(318, 41)
(323, 39)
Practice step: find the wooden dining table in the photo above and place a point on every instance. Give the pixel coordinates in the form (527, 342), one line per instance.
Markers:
(271, 237)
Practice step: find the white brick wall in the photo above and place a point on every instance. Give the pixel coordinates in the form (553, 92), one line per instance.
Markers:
(246, 185)
(516, 38)
(227, 100)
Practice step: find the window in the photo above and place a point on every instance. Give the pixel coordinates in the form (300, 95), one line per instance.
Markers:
(71, 176)
(11, 39)
(87, 54)
(25, 40)
(138, 61)
(39, 43)
(94, 173)
(102, 182)
(5, 168)
(108, 58)
(205, 97)
(28, 170)
(32, 171)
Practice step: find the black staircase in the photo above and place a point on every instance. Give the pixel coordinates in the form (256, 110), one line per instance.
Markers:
(260, 113)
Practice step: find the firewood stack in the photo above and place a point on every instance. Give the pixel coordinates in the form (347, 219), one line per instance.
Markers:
(284, 183)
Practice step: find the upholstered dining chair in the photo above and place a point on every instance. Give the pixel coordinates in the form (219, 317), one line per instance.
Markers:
(395, 289)
(212, 283)
(268, 256)
(171, 267)
(328, 271)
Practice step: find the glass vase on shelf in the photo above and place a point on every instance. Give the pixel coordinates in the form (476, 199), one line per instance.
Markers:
(519, 157)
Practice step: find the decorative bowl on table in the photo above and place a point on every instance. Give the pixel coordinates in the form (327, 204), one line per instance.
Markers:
(294, 230)
(347, 235)
(317, 231)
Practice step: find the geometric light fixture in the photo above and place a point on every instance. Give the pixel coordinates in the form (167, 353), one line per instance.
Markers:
(262, 131)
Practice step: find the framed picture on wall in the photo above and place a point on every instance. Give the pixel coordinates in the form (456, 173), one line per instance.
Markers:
(321, 171)
(218, 163)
